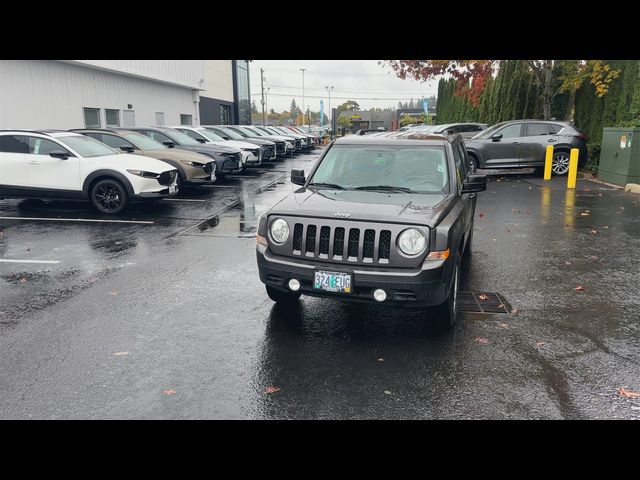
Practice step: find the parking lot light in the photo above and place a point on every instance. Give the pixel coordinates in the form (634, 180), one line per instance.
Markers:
(380, 295)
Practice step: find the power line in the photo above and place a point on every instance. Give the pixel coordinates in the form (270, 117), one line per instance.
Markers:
(339, 98)
(390, 91)
(335, 73)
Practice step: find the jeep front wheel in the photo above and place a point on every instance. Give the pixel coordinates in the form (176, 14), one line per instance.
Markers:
(281, 297)
(109, 196)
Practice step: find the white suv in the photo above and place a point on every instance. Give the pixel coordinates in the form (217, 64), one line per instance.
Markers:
(57, 164)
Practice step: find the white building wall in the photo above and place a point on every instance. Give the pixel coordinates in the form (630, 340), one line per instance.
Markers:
(52, 94)
(218, 76)
(186, 73)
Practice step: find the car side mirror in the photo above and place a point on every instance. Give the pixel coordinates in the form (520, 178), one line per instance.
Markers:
(127, 148)
(474, 183)
(62, 155)
(496, 137)
(201, 140)
(169, 144)
(297, 176)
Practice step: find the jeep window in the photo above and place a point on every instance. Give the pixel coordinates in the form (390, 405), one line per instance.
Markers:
(86, 146)
(413, 169)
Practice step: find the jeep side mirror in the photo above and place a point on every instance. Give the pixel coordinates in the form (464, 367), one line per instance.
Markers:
(297, 176)
(62, 155)
(127, 148)
(475, 183)
(496, 137)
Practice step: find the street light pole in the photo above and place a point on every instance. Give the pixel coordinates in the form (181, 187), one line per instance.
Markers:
(330, 120)
(262, 86)
(266, 103)
(302, 70)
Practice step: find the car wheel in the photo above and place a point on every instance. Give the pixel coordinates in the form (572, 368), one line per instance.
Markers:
(560, 163)
(279, 296)
(109, 196)
(446, 312)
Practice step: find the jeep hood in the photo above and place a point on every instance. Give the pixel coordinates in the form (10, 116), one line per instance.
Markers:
(381, 207)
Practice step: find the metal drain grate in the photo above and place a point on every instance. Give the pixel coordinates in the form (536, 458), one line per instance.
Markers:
(475, 302)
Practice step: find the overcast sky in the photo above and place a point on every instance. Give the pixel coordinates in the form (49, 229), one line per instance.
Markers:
(366, 82)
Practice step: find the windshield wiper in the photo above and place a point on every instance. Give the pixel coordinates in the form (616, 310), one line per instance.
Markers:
(326, 185)
(386, 188)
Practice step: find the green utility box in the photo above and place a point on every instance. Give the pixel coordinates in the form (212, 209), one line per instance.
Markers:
(620, 156)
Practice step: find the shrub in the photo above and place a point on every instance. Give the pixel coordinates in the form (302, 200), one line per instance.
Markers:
(593, 158)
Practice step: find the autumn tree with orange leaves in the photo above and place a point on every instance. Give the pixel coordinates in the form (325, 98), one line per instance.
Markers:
(472, 75)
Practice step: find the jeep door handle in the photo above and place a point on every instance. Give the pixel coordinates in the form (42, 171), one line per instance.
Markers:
(551, 140)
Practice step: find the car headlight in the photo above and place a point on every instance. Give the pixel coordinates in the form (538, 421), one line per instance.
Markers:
(280, 230)
(412, 241)
(142, 173)
(192, 164)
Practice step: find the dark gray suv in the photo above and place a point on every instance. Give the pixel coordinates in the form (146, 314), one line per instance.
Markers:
(522, 143)
(380, 220)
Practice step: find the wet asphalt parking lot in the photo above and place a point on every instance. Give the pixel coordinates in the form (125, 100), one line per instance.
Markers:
(162, 315)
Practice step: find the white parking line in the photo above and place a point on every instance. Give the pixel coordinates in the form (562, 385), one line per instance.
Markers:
(44, 219)
(183, 200)
(12, 260)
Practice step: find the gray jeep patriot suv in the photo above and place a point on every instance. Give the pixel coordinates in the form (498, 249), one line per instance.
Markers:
(378, 219)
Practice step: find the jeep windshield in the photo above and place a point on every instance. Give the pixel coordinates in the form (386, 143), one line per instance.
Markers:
(384, 168)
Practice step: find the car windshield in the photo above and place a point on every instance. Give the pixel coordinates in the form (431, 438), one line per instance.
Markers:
(143, 142)
(181, 138)
(210, 135)
(255, 131)
(86, 146)
(489, 131)
(405, 169)
(228, 132)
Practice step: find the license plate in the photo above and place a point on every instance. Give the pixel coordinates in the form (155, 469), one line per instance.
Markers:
(172, 189)
(337, 282)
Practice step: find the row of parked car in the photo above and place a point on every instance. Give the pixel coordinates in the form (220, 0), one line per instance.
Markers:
(113, 167)
(511, 144)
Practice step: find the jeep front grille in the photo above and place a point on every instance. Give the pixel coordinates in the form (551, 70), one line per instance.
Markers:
(361, 245)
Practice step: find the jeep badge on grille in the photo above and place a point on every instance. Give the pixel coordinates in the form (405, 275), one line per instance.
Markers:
(342, 214)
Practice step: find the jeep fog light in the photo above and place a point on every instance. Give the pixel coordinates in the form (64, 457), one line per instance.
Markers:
(380, 295)
(294, 285)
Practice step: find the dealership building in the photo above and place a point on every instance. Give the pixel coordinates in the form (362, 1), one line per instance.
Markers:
(64, 94)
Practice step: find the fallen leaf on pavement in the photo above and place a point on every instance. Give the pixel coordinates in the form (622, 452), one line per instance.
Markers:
(515, 311)
(271, 390)
(584, 214)
(586, 189)
(501, 305)
(482, 296)
(594, 231)
(381, 359)
(171, 391)
(539, 344)
(387, 392)
(592, 257)
(579, 288)
(599, 194)
(567, 263)
(480, 215)
(504, 325)
(23, 280)
(627, 393)
(621, 208)
(482, 340)
(114, 292)
(508, 230)
(530, 188)
(118, 354)
(606, 226)
(494, 239)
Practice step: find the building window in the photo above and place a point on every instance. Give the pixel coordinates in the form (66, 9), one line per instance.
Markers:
(242, 92)
(225, 115)
(159, 119)
(92, 117)
(185, 119)
(113, 118)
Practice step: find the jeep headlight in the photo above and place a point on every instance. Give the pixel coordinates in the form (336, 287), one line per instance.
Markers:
(412, 241)
(280, 230)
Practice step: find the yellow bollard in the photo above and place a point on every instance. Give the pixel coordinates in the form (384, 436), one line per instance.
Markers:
(548, 161)
(573, 168)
